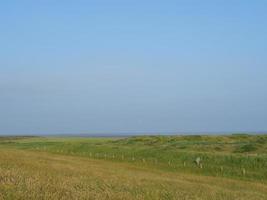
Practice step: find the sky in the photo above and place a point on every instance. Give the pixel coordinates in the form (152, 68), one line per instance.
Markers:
(137, 66)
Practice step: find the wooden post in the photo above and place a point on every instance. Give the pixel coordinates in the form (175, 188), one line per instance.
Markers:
(244, 171)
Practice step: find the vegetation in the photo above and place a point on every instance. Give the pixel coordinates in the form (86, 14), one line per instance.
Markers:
(141, 167)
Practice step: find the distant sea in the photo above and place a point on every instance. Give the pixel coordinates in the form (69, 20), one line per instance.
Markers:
(151, 133)
(137, 134)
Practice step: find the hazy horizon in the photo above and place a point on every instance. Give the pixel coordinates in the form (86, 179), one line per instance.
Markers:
(135, 66)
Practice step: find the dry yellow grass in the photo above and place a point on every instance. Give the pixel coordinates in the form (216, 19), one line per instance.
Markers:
(38, 175)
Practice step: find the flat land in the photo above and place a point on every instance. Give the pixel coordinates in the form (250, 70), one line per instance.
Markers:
(143, 167)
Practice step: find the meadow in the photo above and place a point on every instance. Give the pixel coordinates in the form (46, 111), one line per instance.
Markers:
(140, 167)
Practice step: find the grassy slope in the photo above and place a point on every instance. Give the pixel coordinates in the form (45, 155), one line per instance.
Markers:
(40, 175)
(227, 156)
(134, 168)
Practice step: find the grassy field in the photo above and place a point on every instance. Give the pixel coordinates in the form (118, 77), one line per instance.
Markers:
(143, 167)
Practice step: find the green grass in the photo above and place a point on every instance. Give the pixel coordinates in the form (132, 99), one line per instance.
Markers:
(35, 175)
(142, 167)
(236, 156)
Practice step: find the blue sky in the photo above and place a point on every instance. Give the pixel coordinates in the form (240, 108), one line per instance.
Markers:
(133, 66)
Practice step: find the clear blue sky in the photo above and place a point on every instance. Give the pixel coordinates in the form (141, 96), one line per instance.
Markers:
(133, 66)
